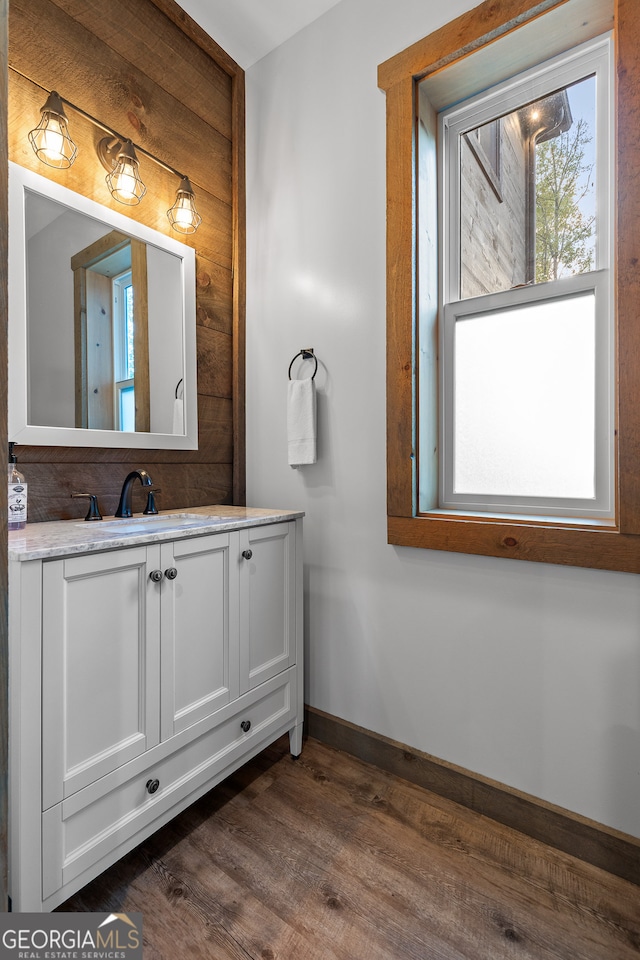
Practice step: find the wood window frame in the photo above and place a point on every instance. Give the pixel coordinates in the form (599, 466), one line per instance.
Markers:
(81, 262)
(613, 547)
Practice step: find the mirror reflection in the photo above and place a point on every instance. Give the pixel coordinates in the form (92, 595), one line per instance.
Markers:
(104, 325)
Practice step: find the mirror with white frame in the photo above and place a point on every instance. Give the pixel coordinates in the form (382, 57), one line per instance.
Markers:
(102, 339)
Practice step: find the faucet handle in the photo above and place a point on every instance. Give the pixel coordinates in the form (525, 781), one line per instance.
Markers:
(94, 510)
(151, 501)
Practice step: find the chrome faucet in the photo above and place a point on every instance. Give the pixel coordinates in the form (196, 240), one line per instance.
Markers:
(124, 506)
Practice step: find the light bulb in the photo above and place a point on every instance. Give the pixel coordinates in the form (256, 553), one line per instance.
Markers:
(53, 140)
(183, 214)
(123, 183)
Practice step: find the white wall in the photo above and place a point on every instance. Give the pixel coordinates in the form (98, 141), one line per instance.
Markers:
(166, 353)
(526, 673)
(51, 344)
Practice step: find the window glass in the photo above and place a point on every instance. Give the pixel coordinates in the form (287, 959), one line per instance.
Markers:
(564, 183)
(124, 359)
(123, 326)
(527, 193)
(126, 407)
(129, 330)
(524, 407)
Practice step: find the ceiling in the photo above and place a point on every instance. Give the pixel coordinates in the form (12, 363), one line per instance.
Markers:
(249, 29)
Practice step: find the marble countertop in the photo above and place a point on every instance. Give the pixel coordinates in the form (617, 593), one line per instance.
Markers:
(66, 537)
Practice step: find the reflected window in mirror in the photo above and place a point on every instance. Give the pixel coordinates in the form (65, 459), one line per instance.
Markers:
(111, 341)
(124, 360)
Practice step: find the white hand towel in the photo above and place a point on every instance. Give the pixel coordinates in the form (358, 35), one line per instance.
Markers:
(301, 422)
(178, 415)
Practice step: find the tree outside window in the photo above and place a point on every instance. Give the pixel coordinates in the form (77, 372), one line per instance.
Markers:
(565, 230)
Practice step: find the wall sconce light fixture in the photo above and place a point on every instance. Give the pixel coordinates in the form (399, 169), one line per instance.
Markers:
(183, 215)
(123, 179)
(50, 139)
(53, 145)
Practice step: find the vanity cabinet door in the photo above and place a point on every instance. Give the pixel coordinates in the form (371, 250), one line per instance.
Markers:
(267, 602)
(199, 630)
(100, 666)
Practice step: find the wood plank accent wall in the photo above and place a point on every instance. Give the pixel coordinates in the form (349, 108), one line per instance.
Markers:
(4, 657)
(151, 73)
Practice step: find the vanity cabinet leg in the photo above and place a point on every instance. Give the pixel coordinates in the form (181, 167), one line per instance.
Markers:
(295, 740)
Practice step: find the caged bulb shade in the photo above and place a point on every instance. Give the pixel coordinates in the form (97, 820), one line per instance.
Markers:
(124, 181)
(50, 139)
(183, 215)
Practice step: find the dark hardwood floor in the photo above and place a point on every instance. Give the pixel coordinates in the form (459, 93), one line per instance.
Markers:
(328, 858)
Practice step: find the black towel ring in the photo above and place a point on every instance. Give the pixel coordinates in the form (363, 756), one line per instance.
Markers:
(306, 354)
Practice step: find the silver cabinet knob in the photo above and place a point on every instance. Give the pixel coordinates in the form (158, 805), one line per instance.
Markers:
(171, 573)
(156, 576)
(247, 554)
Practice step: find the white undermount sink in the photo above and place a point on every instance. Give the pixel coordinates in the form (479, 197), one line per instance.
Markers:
(154, 524)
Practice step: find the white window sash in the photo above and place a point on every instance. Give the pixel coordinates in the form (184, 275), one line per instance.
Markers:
(602, 506)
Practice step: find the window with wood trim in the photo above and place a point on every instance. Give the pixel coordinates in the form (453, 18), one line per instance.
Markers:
(438, 321)
(524, 320)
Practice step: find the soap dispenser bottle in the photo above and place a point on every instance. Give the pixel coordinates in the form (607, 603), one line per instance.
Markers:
(17, 513)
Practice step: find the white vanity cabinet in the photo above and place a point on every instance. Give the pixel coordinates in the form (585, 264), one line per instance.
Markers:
(139, 677)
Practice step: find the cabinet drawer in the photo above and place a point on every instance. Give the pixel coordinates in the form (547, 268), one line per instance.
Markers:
(91, 826)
